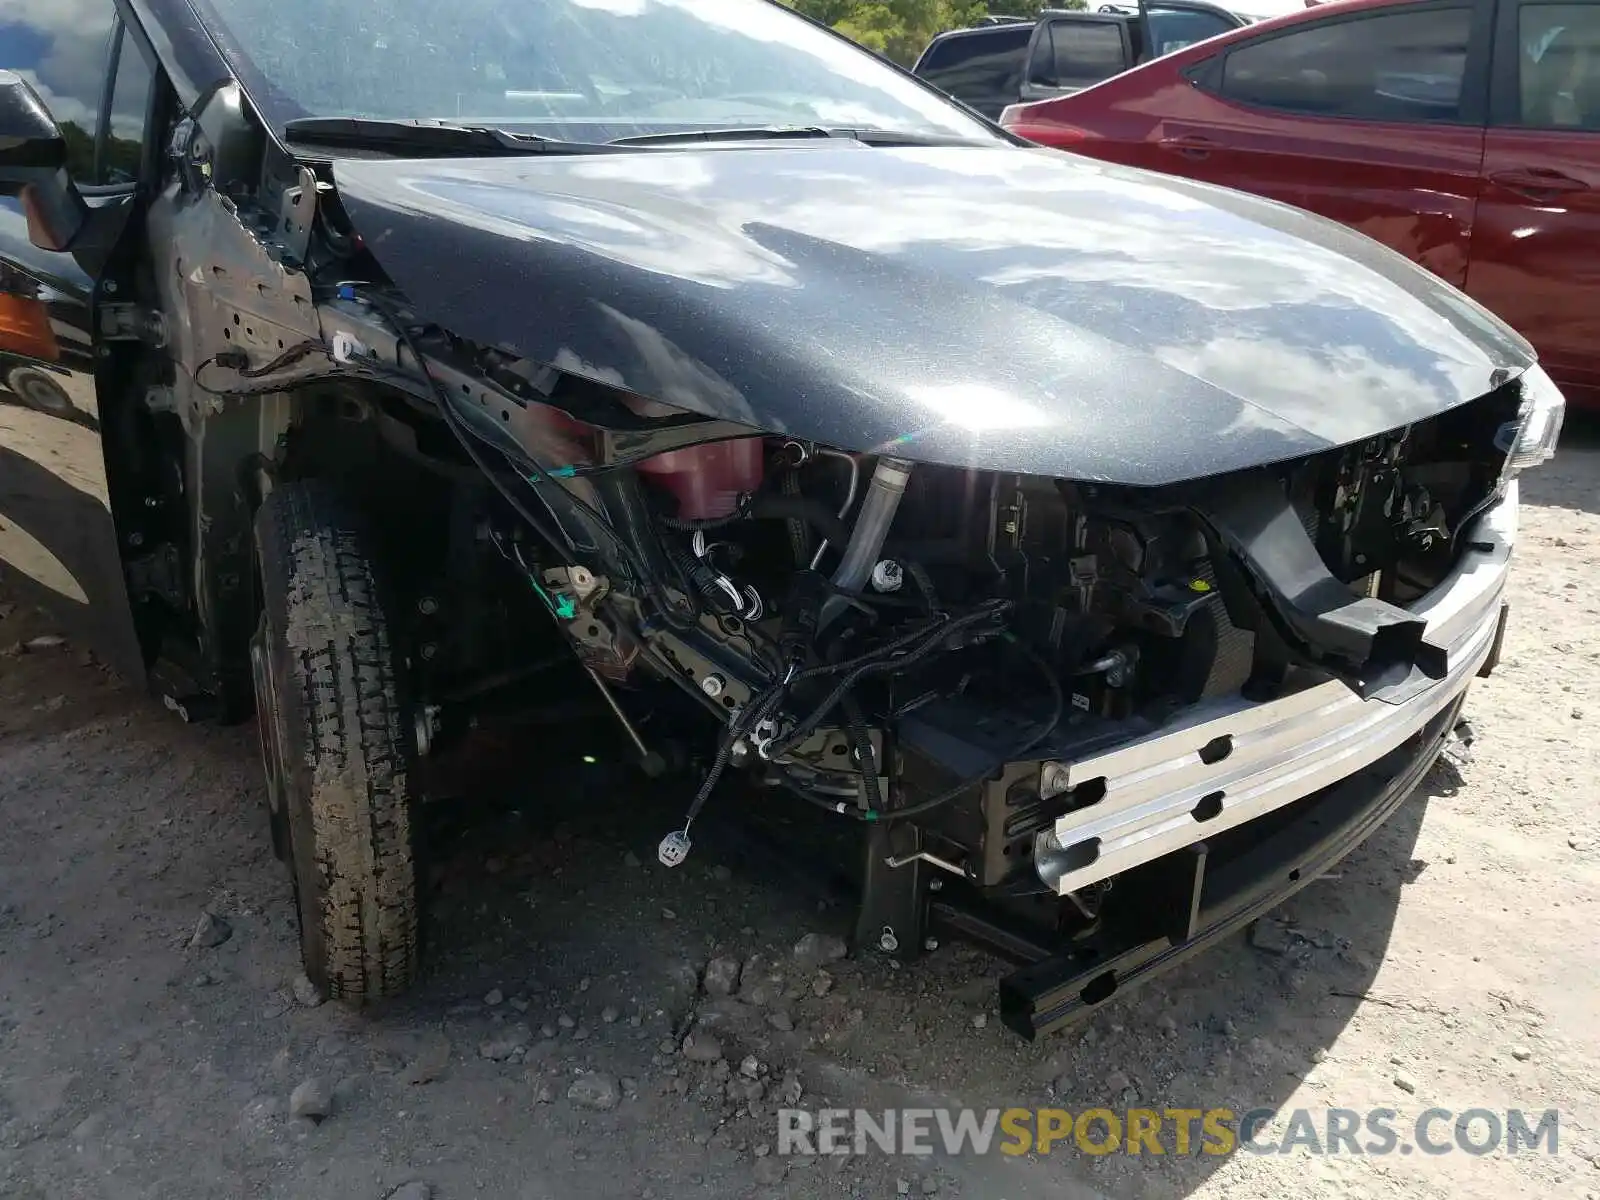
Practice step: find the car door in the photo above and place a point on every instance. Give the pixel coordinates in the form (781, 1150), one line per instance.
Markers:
(1374, 118)
(1168, 28)
(1072, 51)
(58, 540)
(1536, 248)
(982, 68)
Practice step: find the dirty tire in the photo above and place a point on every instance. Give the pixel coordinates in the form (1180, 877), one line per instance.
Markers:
(334, 727)
(40, 390)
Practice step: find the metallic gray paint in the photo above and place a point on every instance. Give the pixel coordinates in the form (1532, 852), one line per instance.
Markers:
(988, 306)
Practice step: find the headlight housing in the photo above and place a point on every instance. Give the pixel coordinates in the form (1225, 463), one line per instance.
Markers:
(1531, 439)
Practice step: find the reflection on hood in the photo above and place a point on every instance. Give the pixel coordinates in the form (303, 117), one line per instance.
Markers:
(1004, 308)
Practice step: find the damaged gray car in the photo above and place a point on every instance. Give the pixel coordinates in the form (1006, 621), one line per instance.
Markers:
(1100, 556)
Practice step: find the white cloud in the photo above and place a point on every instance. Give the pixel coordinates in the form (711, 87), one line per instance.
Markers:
(68, 69)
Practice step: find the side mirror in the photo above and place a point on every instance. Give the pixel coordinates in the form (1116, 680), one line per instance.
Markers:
(33, 162)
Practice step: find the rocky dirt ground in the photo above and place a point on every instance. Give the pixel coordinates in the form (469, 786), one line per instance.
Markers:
(154, 1041)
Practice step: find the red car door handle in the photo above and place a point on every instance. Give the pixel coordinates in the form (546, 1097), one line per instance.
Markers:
(1537, 181)
(1190, 145)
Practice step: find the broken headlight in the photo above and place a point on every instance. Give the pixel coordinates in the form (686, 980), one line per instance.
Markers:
(1531, 439)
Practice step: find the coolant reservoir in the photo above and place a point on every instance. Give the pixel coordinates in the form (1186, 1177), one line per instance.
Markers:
(708, 480)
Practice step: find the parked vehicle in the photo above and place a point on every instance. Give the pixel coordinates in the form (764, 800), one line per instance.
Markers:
(1463, 133)
(34, 366)
(1103, 556)
(990, 67)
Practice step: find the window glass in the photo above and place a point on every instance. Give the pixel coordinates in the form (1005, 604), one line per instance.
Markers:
(1395, 67)
(979, 67)
(1559, 66)
(62, 48)
(571, 68)
(1076, 54)
(118, 160)
(1171, 29)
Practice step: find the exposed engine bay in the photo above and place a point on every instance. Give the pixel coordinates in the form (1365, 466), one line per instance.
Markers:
(901, 643)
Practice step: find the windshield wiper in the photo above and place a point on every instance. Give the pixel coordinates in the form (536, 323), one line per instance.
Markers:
(433, 138)
(761, 133)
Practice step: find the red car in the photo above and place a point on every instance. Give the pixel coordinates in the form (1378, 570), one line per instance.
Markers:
(1463, 133)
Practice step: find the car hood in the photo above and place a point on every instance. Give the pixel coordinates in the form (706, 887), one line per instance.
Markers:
(998, 307)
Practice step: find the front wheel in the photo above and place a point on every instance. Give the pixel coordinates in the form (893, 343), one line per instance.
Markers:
(334, 741)
(40, 390)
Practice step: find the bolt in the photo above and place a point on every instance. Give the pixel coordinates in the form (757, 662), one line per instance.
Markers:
(712, 685)
(152, 502)
(888, 943)
(887, 576)
(136, 540)
(429, 650)
(936, 885)
(427, 606)
(930, 943)
(740, 753)
(111, 287)
(1054, 778)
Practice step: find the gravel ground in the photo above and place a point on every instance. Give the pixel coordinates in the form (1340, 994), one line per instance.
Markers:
(155, 1042)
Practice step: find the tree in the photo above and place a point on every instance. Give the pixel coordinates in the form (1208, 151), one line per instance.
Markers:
(897, 29)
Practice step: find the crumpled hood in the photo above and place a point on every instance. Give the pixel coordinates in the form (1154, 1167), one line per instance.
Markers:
(994, 307)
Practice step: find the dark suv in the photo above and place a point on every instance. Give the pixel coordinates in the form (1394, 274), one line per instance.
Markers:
(991, 66)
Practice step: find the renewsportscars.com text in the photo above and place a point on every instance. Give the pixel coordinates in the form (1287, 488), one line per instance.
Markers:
(1174, 1131)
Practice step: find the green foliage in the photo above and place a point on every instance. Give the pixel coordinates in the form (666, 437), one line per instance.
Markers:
(897, 29)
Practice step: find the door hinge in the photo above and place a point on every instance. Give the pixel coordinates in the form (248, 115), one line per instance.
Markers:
(133, 323)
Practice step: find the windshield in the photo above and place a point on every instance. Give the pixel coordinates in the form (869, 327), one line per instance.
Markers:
(587, 70)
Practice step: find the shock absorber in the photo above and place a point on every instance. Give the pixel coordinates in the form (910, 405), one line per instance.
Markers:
(878, 508)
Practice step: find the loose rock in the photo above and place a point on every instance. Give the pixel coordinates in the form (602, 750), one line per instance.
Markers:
(980, 1020)
(566, 1021)
(1405, 1083)
(721, 976)
(413, 1190)
(817, 949)
(781, 1021)
(210, 930)
(1270, 936)
(430, 1062)
(822, 984)
(506, 1043)
(609, 1014)
(313, 1099)
(495, 996)
(1521, 1053)
(702, 1047)
(596, 1090)
(305, 992)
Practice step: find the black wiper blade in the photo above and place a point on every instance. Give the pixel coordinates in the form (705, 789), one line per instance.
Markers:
(760, 133)
(438, 138)
(755, 133)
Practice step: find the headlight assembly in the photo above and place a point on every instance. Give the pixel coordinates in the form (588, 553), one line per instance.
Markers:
(1531, 439)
